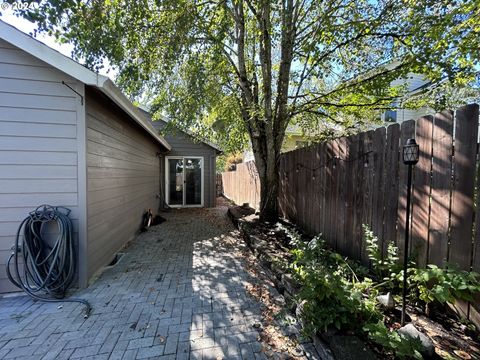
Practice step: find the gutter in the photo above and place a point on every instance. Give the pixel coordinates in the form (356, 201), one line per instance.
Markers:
(105, 85)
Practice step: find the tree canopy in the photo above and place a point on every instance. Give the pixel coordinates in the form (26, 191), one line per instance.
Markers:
(251, 67)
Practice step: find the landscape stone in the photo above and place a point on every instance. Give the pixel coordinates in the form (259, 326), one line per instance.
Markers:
(411, 331)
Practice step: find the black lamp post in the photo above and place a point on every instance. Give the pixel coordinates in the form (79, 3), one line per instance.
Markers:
(410, 158)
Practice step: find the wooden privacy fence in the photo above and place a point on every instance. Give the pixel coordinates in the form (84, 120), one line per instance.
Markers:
(242, 185)
(335, 187)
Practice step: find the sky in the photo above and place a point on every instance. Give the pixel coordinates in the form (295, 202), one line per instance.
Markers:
(28, 27)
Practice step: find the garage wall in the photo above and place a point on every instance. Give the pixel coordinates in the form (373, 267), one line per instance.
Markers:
(183, 145)
(38, 143)
(123, 179)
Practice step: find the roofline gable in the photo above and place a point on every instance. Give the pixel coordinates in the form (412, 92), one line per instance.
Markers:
(43, 52)
(190, 134)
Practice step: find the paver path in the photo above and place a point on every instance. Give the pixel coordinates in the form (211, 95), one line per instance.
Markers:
(179, 292)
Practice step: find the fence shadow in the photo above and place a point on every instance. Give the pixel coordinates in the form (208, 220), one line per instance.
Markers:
(335, 187)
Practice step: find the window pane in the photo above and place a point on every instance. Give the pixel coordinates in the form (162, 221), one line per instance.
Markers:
(193, 181)
(175, 178)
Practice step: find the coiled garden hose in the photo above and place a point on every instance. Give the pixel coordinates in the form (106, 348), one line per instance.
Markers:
(48, 266)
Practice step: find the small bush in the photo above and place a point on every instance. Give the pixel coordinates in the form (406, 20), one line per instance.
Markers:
(334, 294)
(391, 341)
(231, 161)
(339, 292)
(382, 266)
(428, 285)
(445, 285)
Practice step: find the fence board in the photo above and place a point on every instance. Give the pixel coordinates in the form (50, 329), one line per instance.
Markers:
(309, 219)
(289, 191)
(287, 184)
(391, 182)
(289, 195)
(281, 187)
(300, 186)
(358, 196)
(378, 155)
(328, 193)
(421, 191)
(341, 242)
(476, 243)
(322, 186)
(466, 134)
(296, 187)
(407, 132)
(352, 146)
(368, 174)
(440, 192)
(316, 210)
(334, 204)
(308, 185)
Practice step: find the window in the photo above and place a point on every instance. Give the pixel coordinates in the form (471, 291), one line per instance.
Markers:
(391, 116)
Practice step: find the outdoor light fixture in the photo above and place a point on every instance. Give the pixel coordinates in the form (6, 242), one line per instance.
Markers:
(410, 157)
(410, 152)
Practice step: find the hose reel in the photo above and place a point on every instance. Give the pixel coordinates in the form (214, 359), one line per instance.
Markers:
(45, 268)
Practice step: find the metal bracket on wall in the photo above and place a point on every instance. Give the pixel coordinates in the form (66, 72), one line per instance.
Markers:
(75, 91)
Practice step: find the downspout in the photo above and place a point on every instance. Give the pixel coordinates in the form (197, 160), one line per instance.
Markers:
(163, 206)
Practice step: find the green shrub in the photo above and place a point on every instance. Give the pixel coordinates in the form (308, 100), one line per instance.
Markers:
(339, 292)
(334, 294)
(382, 266)
(428, 285)
(445, 285)
(391, 341)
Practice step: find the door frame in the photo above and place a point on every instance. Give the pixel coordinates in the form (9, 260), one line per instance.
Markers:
(167, 173)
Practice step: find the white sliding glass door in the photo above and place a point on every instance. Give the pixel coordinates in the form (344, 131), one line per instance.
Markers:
(184, 181)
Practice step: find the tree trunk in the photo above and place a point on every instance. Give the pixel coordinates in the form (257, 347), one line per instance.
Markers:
(267, 162)
(265, 126)
(269, 191)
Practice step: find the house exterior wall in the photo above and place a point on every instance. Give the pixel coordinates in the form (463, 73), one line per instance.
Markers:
(123, 179)
(413, 82)
(183, 145)
(292, 142)
(39, 142)
(410, 114)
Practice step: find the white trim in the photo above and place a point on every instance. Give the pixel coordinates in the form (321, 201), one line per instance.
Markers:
(82, 190)
(45, 53)
(167, 174)
(70, 67)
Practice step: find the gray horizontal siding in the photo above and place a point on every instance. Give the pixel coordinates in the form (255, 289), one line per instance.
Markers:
(38, 143)
(44, 116)
(32, 129)
(40, 158)
(25, 143)
(20, 212)
(184, 145)
(123, 179)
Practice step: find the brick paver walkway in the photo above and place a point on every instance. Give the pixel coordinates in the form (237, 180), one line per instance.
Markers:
(179, 292)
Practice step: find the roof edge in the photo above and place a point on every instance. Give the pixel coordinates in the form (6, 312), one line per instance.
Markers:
(114, 93)
(41, 51)
(38, 49)
(145, 110)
